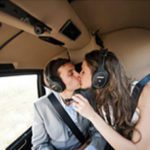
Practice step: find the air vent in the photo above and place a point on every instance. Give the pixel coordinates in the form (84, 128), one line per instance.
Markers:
(51, 40)
(70, 30)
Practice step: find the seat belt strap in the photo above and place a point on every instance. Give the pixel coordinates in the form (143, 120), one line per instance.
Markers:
(66, 118)
(137, 91)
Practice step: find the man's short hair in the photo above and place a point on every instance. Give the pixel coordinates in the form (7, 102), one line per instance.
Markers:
(53, 66)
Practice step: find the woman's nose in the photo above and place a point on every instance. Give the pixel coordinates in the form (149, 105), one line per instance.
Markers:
(77, 75)
(80, 74)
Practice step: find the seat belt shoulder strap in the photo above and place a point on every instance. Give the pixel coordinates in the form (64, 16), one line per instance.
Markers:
(137, 91)
(66, 118)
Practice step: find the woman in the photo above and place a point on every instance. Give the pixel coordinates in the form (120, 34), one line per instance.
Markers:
(102, 71)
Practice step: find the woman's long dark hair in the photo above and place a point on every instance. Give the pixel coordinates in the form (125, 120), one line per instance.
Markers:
(116, 92)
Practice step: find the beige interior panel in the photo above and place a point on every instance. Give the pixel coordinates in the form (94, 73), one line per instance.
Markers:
(132, 46)
(6, 32)
(29, 52)
(109, 15)
(78, 55)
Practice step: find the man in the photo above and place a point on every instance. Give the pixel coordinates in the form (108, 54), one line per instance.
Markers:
(49, 131)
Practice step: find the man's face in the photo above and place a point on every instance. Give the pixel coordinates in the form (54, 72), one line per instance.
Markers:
(69, 76)
(86, 76)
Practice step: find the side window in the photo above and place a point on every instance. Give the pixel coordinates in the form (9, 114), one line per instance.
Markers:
(17, 94)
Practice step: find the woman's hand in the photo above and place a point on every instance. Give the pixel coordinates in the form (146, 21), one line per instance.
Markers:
(83, 107)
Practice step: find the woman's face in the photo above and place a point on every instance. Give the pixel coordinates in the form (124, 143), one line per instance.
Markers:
(86, 76)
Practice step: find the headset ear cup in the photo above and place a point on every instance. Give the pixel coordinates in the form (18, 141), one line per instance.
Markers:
(56, 84)
(100, 79)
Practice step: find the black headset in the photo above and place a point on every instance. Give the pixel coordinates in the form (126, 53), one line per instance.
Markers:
(101, 77)
(55, 82)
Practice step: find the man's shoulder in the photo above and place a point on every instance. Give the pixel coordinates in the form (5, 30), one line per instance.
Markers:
(43, 104)
(43, 99)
